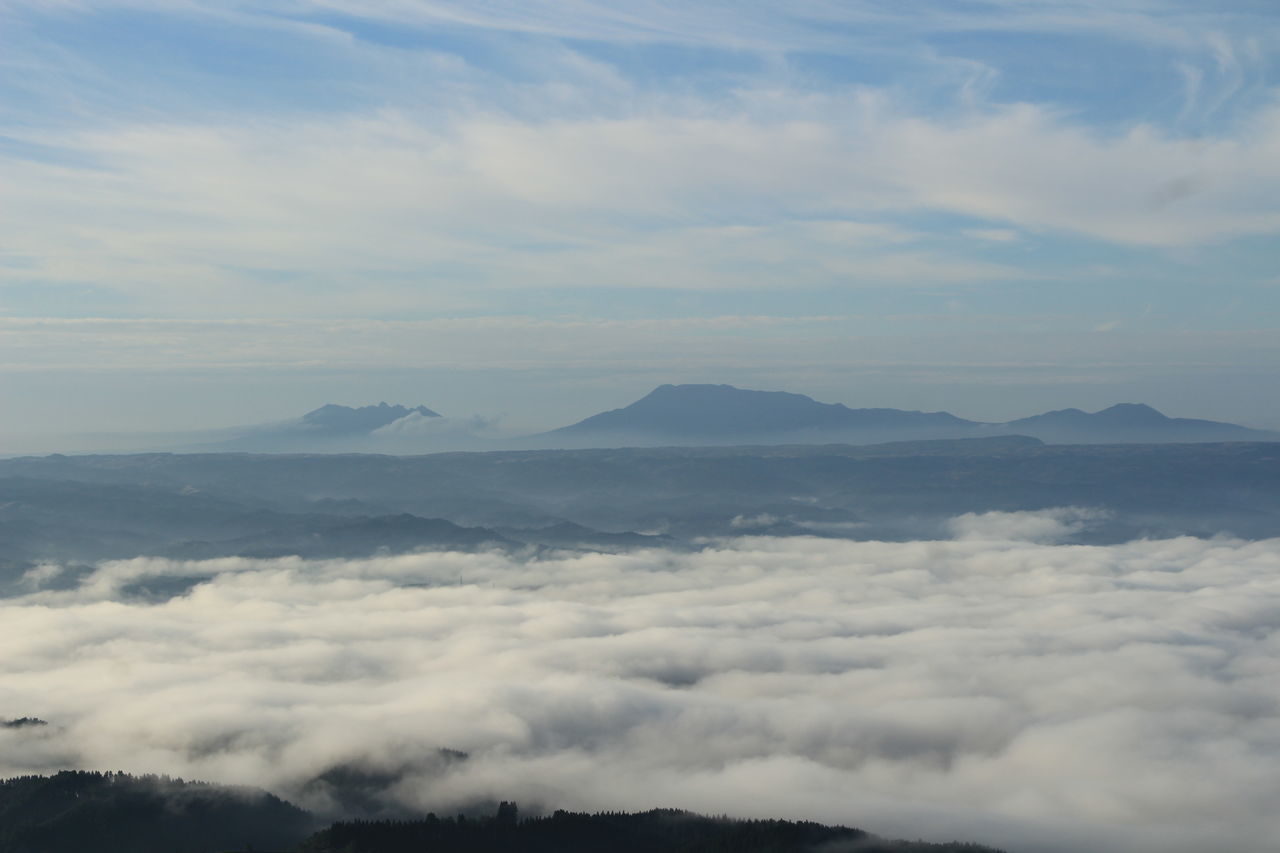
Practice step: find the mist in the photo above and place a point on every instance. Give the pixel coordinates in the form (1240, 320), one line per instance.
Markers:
(996, 687)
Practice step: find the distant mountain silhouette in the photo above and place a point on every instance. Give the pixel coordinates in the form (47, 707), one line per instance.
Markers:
(719, 414)
(723, 414)
(1128, 422)
(330, 427)
(710, 415)
(337, 420)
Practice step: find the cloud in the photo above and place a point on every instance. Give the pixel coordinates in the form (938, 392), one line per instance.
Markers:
(808, 25)
(1053, 525)
(257, 212)
(1043, 697)
(385, 160)
(744, 522)
(415, 431)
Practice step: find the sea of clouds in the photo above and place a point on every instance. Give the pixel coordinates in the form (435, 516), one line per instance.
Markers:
(996, 687)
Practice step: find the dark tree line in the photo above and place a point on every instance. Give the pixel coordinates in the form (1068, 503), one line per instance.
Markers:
(23, 722)
(666, 830)
(91, 812)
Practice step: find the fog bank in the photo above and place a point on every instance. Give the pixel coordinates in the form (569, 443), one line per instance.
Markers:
(1036, 696)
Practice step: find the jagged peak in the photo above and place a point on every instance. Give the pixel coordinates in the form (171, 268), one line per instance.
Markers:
(337, 408)
(334, 419)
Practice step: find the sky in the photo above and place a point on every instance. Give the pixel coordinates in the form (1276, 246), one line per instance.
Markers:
(995, 687)
(220, 212)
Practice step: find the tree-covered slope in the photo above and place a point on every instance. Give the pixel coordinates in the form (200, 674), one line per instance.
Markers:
(89, 812)
(665, 830)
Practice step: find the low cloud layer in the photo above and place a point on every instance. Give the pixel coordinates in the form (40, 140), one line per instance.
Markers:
(415, 431)
(1047, 526)
(1041, 697)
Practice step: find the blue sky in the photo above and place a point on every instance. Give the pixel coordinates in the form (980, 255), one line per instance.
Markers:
(229, 212)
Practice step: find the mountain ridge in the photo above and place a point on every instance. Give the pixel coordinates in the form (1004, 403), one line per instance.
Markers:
(721, 406)
(723, 414)
(330, 424)
(692, 415)
(336, 419)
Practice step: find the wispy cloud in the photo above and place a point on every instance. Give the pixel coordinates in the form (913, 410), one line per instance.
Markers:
(208, 218)
(804, 24)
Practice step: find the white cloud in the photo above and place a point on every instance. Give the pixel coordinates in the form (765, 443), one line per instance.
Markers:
(1048, 698)
(211, 218)
(416, 433)
(1046, 526)
(575, 173)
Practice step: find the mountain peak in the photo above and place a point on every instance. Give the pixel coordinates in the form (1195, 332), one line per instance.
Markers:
(1119, 415)
(695, 388)
(724, 395)
(1131, 413)
(723, 413)
(334, 419)
(706, 414)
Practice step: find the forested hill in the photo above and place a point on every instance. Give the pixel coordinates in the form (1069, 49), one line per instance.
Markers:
(666, 830)
(84, 812)
(91, 812)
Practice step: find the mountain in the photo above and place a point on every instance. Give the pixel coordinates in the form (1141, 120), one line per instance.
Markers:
(334, 420)
(328, 428)
(89, 812)
(77, 811)
(677, 415)
(702, 416)
(621, 832)
(1127, 422)
(723, 414)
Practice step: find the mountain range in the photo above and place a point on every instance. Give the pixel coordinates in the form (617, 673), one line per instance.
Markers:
(714, 415)
(330, 427)
(723, 414)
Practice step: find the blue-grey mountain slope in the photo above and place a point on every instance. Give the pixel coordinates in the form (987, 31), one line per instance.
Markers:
(1126, 423)
(334, 420)
(328, 428)
(690, 415)
(723, 414)
(707, 416)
